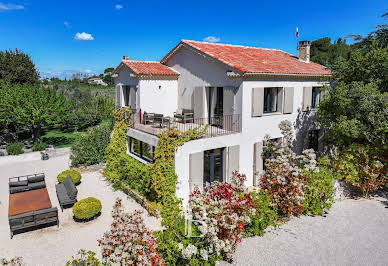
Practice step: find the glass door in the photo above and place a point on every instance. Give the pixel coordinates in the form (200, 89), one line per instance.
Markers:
(215, 106)
(213, 166)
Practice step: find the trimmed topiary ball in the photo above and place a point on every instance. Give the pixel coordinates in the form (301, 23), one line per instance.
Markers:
(87, 208)
(74, 175)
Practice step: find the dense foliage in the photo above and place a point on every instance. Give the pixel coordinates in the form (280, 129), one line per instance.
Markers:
(363, 166)
(319, 190)
(329, 54)
(39, 146)
(17, 67)
(90, 147)
(74, 175)
(15, 148)
(60, 139)
(87, 208)
(129, 242)
(32, 108)
(84, 258)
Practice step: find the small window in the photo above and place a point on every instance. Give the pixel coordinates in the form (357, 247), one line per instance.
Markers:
(126, 93)
(316, 97)
(313, 139)
(141, 149)
(271, 100)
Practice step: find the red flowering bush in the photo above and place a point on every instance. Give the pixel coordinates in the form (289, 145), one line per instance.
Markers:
(285, 176)
(129, 242)
(224, 210)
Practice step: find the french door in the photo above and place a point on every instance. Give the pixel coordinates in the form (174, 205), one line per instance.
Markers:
(213, 166)
(216, 106)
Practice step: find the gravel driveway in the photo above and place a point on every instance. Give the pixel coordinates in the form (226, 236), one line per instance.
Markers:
(355, 232)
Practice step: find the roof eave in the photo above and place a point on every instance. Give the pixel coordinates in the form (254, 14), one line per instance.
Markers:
(283, 75)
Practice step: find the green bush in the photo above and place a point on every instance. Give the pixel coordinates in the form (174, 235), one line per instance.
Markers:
(60, 139)
(15, 148)
(87, 208)
(84, 258)
(90, 147)
(319, 190)
(74, 175)
(39, 146)
(265, 215)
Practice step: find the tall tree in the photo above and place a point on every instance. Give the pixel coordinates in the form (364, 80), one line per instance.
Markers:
(33, 108)
(17, 67)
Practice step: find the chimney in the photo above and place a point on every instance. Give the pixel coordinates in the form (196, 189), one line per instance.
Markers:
(125, 57)
(304, 51)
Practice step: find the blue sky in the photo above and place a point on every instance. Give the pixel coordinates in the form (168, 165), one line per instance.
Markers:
(147, 30)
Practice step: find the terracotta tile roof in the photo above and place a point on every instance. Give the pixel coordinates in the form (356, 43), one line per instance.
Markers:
(258, 60)
(149, 68)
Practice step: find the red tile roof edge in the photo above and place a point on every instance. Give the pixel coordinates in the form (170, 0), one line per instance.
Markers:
(162, 71)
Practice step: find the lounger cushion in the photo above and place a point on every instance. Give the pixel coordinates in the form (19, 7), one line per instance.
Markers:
(13, 190)
(36, 185)
(18, 183)
(36, 178)
(70, 188)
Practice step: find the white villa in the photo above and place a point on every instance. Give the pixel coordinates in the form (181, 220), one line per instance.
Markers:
(242, 93)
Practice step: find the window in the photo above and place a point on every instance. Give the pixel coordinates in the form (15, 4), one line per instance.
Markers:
(313, 139)
(141, 149)
(126, 93)
(316, 97)
(213, 166)
(271, 100)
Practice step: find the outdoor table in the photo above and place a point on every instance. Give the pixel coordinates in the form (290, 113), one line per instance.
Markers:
(32, 200)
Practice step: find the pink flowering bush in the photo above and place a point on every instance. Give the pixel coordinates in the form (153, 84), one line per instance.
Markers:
(224, 210)
(285, 177)
(129, 242)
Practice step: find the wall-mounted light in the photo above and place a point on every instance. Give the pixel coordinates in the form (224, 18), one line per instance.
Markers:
(160, 87)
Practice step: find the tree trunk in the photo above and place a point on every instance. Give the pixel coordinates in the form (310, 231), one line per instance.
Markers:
(36, 133)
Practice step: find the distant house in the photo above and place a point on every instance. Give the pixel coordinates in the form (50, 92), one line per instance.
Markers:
(97, 81)
(241, 92)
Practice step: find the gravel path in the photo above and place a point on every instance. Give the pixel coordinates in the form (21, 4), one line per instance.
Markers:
(53, 245)
(355, 232)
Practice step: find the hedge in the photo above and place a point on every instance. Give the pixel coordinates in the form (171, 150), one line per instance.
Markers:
(60, 139)
(74, 174)
(15, 148)
(87, 208)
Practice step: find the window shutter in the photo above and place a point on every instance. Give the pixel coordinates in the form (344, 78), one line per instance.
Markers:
(199, 102)
(280, 100)
(118, 96)
(132, 96)
(196, 170)
(257, 101)
(307, 98)
(257, 162)
(288, 100)
(229, 122)
(233, 160)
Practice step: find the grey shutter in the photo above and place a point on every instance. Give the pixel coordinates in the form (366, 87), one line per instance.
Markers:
(307, 97)
(233, 160)
(288, 100)
(280, 100)
(228, 109)
(257, 162)
(118, 96)
(199, 102)
(257, 101)
(196, 170)
(132, 98)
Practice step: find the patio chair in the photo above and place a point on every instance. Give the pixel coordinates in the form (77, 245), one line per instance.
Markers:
(184, 115)
(148, 117)
(66, 193)
(158, 120)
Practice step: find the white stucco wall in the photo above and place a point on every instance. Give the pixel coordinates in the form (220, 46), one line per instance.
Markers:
(196, 71)
(152, 95)
(158, 96)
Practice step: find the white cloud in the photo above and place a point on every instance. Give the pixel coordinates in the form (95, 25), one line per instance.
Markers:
(83, 37)
(67, 24)
(10, 7)
(211, 39)
(118, 7)
(88, 71)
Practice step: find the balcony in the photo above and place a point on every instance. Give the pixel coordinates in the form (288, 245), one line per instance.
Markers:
(217, 126)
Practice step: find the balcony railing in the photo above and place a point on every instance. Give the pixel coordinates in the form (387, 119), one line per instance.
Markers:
(216, 126)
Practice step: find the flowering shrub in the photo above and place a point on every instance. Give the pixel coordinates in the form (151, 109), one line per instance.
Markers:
(129, 242)
(223, 213)
(285, 177)
(84, 258)
(363, 166)
(17, 261)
